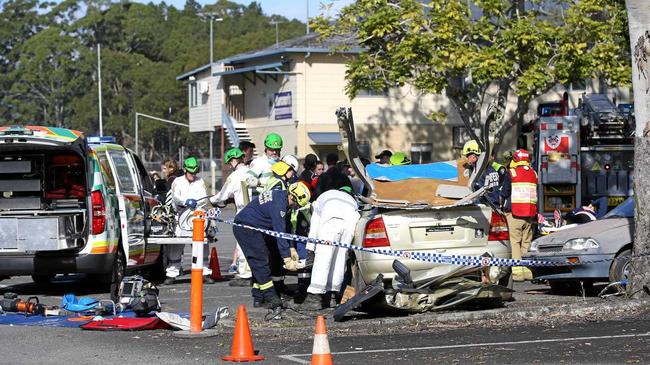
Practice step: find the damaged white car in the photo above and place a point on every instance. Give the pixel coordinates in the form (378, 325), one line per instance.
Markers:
(408, 209)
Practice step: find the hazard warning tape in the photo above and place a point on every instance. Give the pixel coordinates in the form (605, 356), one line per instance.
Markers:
(215, 214)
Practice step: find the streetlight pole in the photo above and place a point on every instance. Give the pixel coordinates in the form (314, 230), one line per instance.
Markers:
(307, 17)
(277, 38)
(137, 115)
(212, 164)
(99, 88)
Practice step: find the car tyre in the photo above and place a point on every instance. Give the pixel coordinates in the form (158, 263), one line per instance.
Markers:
(618, 271)
(43, 279)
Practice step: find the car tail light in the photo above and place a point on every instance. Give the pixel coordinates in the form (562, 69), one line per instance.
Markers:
(98, 212)
(376, 235)
(498, 228)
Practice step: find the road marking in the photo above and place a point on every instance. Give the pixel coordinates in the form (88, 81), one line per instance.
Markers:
(295, 357)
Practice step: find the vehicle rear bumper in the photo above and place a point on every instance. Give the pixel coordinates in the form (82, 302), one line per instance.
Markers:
(372, 264)
(43, 264)
(593, 271)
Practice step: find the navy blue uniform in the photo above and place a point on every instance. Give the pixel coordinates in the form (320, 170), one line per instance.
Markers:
(267, 211)
(497, 194)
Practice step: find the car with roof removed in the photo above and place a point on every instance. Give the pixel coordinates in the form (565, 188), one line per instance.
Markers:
(427, 209)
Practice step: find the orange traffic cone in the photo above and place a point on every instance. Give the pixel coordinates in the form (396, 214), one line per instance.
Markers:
(242, 344)
(214, 265)
(320, 355)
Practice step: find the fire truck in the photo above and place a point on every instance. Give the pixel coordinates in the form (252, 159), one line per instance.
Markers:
(583, 154)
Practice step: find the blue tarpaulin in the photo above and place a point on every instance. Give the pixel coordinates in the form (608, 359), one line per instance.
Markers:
(447, 170)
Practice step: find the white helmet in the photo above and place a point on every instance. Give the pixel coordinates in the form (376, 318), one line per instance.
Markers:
(292, 161)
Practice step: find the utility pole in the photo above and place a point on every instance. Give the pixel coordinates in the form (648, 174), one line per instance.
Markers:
(307, 16)
(277, 38)
(213, 179)
(99, 88)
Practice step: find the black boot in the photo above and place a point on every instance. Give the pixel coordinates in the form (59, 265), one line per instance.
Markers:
(272, 302)
(313, 302)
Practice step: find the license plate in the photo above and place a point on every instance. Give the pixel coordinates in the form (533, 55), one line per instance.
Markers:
(435, 229)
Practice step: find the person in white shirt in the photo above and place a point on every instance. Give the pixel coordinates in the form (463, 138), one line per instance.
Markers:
(232, 189)
(188, 193)
(334, 218)
(260, 167)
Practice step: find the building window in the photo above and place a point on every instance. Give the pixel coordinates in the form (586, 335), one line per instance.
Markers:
(421, 152)
(194, 94)
(372, 93)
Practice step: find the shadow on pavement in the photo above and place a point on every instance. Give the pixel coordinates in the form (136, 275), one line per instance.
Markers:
(78, 284)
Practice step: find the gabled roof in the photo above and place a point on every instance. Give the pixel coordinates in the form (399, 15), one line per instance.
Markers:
(309, 43)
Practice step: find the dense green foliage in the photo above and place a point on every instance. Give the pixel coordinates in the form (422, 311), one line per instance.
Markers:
(48, 63)
(473, 50)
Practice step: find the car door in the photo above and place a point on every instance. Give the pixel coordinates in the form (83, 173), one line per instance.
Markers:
(148, 193)
(131, 204)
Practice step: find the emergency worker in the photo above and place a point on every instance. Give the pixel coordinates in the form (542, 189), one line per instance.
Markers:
(232, 189)
(472, 151)
(521, 208)
(333, 178)
(260, 167)
(284, 173)
(248, 148)
(187, 193)
(334, 218)
(268, 211)
(399, 159)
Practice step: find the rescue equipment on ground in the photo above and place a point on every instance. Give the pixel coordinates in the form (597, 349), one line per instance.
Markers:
(10, 302)
(139, 295)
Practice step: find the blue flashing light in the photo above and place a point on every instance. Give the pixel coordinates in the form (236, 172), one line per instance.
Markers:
(104, 139)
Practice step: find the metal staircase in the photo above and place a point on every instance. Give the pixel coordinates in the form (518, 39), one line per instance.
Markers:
(235, 128)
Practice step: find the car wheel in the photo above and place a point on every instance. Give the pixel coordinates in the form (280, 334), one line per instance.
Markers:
(119, 269)
(43, 279)
(620, 267)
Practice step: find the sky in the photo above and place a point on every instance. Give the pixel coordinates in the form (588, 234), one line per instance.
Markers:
(288, 8)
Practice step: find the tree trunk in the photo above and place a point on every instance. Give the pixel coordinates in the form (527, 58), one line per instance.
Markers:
(639, 22)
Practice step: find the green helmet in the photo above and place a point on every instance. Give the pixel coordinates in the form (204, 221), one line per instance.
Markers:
(273, 141)
(191, 165)
(398, 159)
(233, 153)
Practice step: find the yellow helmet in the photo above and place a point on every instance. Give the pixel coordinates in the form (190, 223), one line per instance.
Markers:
(280, 168)
(470, 147)
(300, 193)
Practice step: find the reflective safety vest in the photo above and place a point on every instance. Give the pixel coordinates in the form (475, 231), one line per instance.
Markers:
(524, 191)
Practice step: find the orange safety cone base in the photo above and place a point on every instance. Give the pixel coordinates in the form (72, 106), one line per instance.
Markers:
(247, 359)
(214, 265)
(242, 345)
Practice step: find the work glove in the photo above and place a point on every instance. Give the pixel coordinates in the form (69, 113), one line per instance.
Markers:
(190, 203)
(294, 254)
(290, 264)
(252, 181)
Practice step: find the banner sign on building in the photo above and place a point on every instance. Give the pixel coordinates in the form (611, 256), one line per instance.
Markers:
(283, 108)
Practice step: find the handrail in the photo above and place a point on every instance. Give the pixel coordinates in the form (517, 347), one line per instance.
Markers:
(227, 120)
